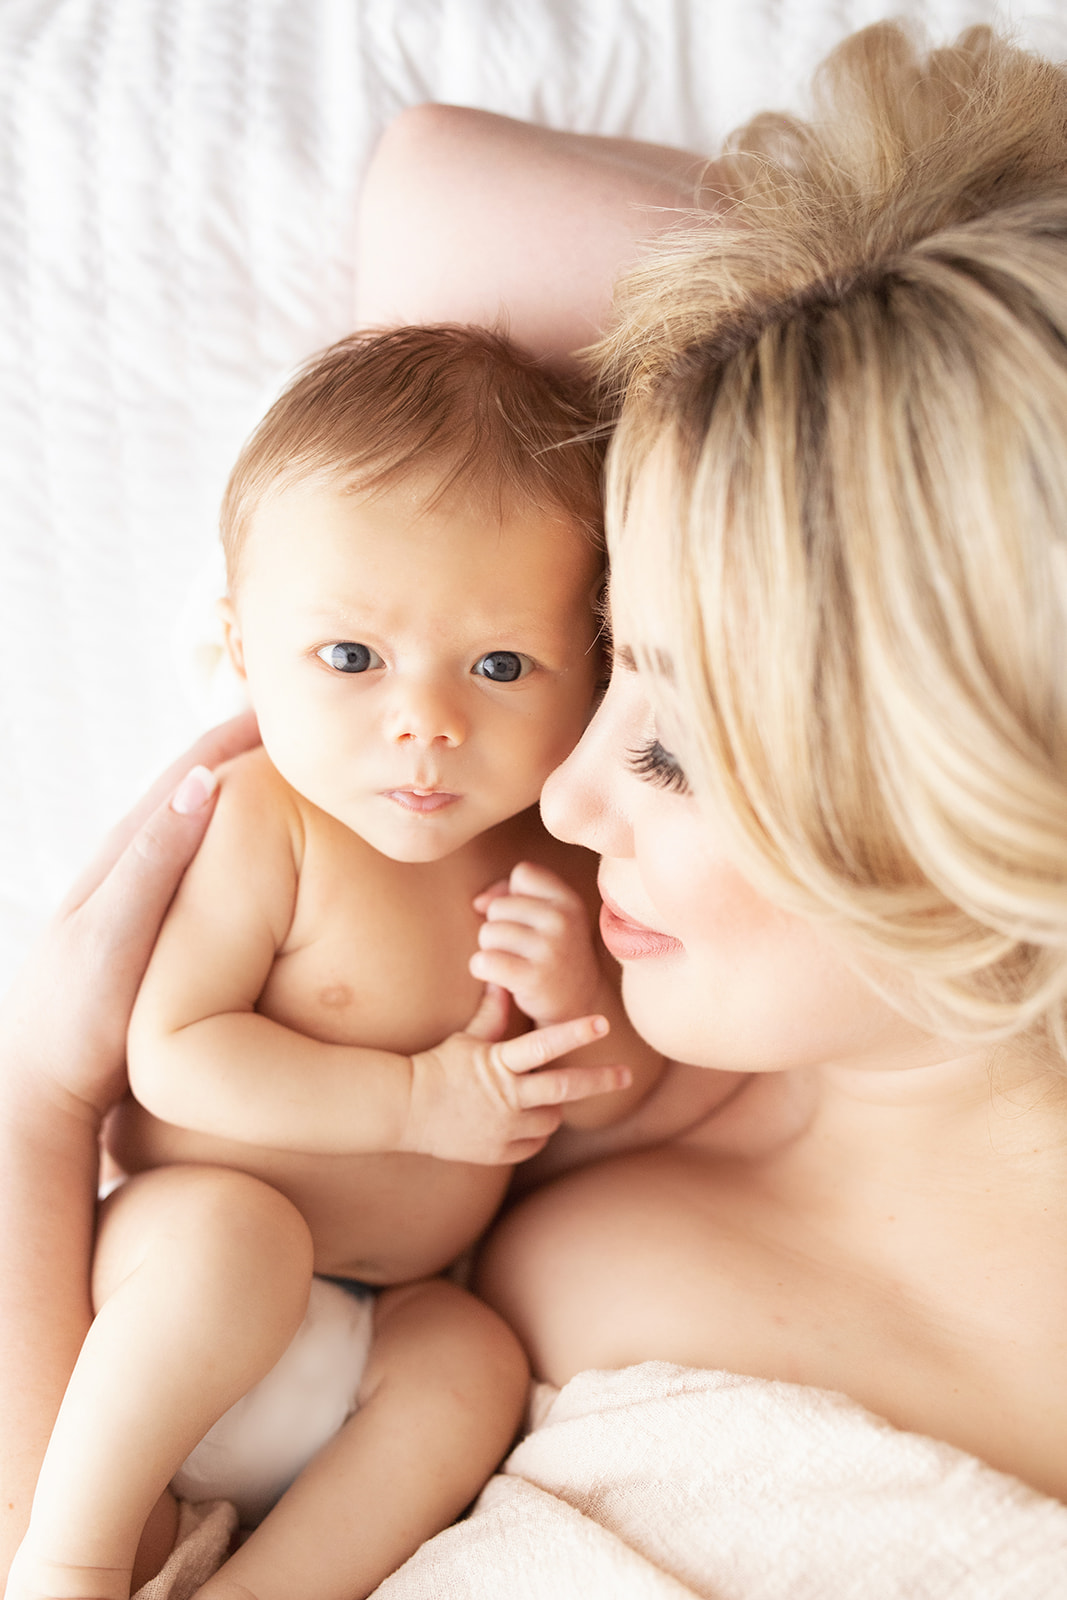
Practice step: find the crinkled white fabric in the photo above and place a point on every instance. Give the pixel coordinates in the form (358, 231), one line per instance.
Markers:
(266, 1439)
(667, 1483)
(178, 185)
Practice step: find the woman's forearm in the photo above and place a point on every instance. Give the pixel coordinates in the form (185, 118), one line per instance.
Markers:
(62, 1064)
(48, 1169)
(471, 217)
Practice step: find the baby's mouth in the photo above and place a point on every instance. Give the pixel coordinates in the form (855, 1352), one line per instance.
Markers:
(421, 801)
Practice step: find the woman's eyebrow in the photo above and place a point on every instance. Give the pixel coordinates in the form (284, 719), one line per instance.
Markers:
(657, 661)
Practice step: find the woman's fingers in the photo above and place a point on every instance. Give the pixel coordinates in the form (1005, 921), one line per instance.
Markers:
(66, 1014)
(127, 905)
(210, 750)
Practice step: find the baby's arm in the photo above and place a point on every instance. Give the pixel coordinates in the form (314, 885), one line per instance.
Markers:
(537, 942)
(201, 1056)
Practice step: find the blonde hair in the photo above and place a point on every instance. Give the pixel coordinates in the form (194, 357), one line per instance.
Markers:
(458, 403)
(852, 387)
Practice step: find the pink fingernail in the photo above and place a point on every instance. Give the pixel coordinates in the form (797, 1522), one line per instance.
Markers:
(194, 791)
(601, 1025)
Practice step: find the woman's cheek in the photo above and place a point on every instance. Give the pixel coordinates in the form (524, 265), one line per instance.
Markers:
(700, 896)
(712, 1002)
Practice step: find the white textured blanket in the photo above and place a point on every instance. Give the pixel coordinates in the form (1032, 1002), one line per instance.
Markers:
(664, 1483)
(178, 187)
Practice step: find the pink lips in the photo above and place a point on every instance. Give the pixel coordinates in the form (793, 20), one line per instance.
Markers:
(631, 941)
(421, 801)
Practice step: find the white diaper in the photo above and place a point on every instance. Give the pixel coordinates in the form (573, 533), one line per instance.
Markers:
(254, 1451)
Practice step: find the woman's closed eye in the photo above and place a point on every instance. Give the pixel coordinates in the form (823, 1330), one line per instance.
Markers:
(502, 666)
(656, 765)
(349, 656)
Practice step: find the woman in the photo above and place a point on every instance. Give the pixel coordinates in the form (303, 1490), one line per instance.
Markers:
(829, 779)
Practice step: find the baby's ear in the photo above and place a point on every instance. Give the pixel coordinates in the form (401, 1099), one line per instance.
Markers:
(227, 615)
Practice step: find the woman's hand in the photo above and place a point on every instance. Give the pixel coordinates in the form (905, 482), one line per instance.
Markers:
(62, 1065)
(63, 1022)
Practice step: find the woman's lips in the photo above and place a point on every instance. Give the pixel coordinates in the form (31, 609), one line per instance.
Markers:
(421, 800)
(631, 941)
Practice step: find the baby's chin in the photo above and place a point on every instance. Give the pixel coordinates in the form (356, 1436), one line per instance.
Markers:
(414, 838)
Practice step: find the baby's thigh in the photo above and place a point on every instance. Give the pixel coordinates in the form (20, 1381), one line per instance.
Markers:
(203, 1232)
(435, 1346)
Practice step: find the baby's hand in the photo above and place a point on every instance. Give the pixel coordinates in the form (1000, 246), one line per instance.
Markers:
(493, 1101)
(536, 943)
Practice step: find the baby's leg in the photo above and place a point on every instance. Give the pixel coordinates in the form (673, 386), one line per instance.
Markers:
(440, 1401)
(200, 1279)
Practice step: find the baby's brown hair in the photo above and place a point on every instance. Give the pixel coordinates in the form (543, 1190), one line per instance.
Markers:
(459, 403)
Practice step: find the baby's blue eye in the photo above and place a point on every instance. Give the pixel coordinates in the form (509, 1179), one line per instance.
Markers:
(349, 657)
(502, 666)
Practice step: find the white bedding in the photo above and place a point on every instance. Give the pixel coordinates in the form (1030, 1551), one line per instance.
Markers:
(178, 182)
(664, 1483)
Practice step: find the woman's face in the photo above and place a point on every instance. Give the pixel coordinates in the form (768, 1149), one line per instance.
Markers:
(713, 973)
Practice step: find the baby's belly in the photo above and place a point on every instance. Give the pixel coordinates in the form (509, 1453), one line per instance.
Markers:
(382, 1218)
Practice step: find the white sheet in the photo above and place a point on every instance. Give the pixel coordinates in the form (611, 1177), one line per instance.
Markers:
(664, 1483)
(178, 182)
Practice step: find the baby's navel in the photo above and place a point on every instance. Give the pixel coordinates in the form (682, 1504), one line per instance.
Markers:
(335, 995)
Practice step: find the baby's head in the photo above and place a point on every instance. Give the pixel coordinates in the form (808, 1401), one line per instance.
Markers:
(413, 549)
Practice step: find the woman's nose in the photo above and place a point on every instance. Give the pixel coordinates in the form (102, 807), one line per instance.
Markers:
(581, 799)
(426, 712)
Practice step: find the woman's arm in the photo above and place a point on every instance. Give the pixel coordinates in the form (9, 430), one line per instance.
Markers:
(471, 217)
(62, 1065)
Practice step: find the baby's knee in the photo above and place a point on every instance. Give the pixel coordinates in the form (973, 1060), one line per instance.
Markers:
(213, 1233)
(250, 1237)
(438, 1330)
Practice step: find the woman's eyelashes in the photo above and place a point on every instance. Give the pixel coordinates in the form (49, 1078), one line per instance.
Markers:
(656, 765)
(502, 666)
(349, 657)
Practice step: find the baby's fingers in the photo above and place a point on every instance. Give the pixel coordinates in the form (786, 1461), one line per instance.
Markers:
(490, 1020)
(559, 1086)
(529, 1051)
(483, 901)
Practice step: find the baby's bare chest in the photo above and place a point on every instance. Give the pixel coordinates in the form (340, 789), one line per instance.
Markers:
(378, 950)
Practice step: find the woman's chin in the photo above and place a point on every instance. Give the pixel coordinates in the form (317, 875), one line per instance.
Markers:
(673, 1022)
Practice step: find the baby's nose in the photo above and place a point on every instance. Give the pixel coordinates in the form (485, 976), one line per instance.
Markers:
(427, 713)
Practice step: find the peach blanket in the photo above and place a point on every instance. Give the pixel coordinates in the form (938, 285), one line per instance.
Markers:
(668, 1483)
(665, 1483)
